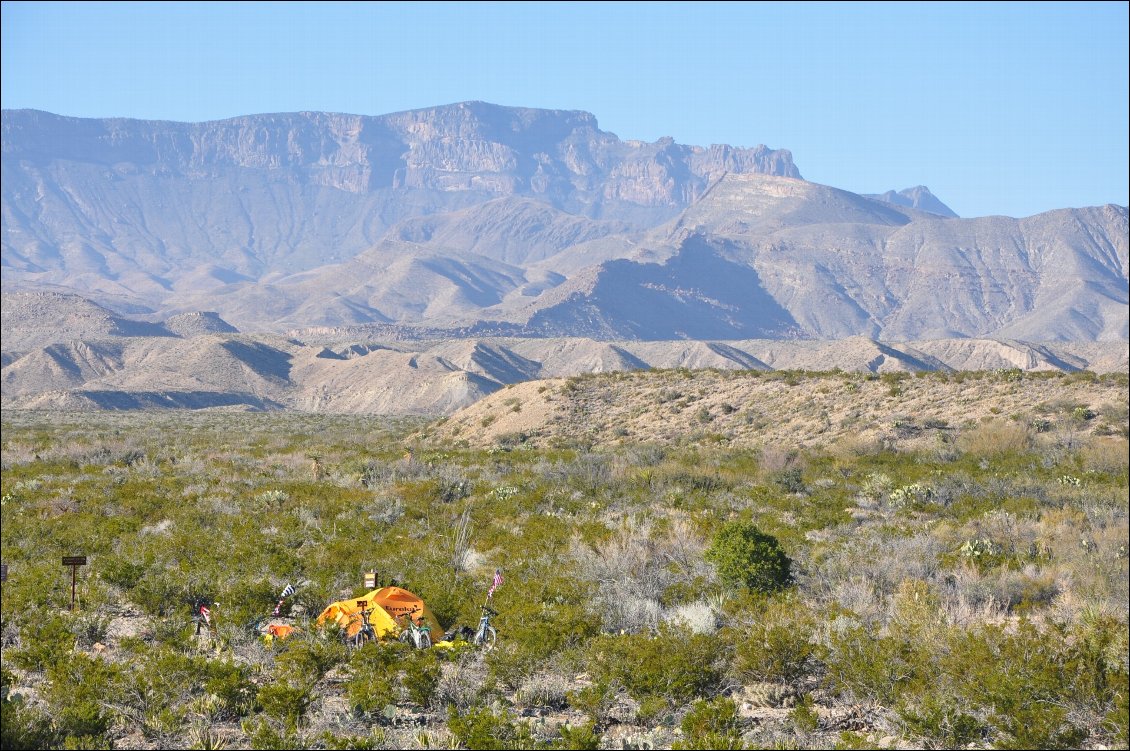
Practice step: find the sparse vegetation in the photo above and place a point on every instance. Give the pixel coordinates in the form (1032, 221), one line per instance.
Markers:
(952, 585)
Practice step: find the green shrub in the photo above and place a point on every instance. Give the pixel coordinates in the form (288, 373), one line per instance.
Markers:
(483, 729)
(235, 694)
(372, 680)
(308, 659)
(76, 692)
(45, 641)
(711, 724)
(673, 665)
(1116, 722)
(581, 737)
(21, 725)
(940, 721)
(1024, 679)
(285, 702)
(870, 666)
(121, 572)
(804, 716)
(421, 677)
(779, 645)
(264, 735)
(89, 629)
(370, 693)
(747, 557)
(791, 480)
(595, 700)
(551, 615)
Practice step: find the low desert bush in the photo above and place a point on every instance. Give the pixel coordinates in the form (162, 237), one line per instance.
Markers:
(671, 666)
(995, 439)
(775, 640)
(711, 724)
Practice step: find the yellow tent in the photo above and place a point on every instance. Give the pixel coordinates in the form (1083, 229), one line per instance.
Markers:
(347, 615)
(391, 602)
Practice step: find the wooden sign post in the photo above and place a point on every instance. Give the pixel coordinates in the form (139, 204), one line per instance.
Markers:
(371, 579)
(74, 561)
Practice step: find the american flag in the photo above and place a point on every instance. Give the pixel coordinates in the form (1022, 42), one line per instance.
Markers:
(497, 581)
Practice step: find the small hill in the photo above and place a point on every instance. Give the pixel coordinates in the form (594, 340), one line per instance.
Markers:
(36, 319)
(751, 408)
(198, 323)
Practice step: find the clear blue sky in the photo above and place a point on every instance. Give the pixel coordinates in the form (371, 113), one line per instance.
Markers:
(1012, 108)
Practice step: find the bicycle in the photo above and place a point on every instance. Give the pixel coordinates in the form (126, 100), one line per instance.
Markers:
(417, 634)
(486, 636)
(202, 617)
(366, 632)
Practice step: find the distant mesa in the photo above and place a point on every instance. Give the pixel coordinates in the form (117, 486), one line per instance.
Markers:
(198, 323)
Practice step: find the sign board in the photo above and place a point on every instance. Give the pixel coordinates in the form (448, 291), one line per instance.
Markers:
(371, 579)
(74, 561)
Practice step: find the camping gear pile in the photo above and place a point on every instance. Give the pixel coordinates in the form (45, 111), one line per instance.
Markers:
(386, 608)
(384, 613)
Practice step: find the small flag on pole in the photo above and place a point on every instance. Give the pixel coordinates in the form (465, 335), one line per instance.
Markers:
(495, 583)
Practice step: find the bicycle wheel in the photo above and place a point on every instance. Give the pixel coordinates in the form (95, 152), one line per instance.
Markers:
(406, 637)
(490, 638)
(425, 640)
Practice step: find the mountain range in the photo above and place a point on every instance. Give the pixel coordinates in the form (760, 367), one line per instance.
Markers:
(491, 225)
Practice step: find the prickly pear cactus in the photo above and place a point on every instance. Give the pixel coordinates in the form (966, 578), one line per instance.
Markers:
(768, 695)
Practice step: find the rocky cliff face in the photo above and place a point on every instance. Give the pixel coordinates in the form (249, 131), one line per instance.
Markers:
(561, 155)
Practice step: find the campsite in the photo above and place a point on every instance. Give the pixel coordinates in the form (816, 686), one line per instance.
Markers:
(952, 581)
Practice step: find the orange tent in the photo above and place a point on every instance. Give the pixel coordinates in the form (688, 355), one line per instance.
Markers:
(396, 602)
(385, 605)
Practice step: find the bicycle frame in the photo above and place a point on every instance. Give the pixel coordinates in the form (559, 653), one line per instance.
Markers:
(416, 634)
(486, 635)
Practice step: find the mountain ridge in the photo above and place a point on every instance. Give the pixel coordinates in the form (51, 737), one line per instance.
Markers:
(479, 222)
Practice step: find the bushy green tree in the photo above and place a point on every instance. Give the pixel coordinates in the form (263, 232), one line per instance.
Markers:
(746, 557)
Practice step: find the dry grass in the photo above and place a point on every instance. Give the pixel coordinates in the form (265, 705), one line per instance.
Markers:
(850, 412)
(996, 438)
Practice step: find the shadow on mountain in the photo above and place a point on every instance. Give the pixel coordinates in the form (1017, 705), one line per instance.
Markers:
(261, 358)
(696, 294)
(120, 400)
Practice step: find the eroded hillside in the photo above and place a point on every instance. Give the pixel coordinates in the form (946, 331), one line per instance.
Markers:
(758, 409)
